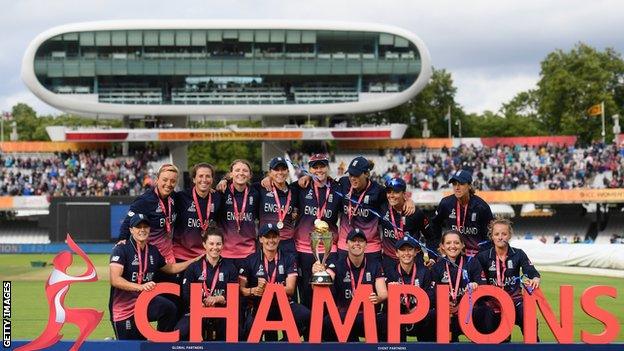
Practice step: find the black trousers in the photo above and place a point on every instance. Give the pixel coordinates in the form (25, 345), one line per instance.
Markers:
(213, 329)
(519, 306)
(300, 313)
(159, 310)
(357, 330)
(425, 330)
(305, 262)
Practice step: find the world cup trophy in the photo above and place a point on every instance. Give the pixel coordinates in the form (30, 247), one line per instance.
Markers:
(321, 234)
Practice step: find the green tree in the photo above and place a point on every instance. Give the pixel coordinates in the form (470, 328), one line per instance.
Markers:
(571, 82)
(431, 104)
(27, 122)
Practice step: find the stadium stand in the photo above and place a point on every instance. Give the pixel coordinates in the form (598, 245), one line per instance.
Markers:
(77, 173)
(497, 168)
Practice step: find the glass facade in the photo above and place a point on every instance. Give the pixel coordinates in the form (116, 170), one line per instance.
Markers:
(229, 66)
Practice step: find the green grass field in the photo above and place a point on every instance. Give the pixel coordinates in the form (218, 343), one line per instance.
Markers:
(30, 310)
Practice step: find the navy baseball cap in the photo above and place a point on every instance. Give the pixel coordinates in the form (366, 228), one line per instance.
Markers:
(318, 158)
(396, 184)
(355, 233)
(406, 240)
(277, 161)
(268, 228)
(137, 218)
(462, 176)
(358, 166)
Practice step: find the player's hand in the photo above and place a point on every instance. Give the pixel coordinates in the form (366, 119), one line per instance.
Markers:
(430, 262)
(318, 267)
(533, 283)
(304, 181)
(373, 298)
(221, 186)
(149, 286)
(210, 301)
(409, 207)
(267, 183)
(473, 286)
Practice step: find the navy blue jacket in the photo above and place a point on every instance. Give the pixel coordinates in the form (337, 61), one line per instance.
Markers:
(195, 274)
(474, 227)
(148, 204)
(473, 274)
(516, 260)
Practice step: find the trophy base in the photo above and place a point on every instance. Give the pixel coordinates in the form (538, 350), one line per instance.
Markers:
(321, 279)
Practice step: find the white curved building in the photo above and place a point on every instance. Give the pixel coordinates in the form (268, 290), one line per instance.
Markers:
(186, 68)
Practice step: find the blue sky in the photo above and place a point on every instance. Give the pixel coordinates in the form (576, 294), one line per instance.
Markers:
(492, 48)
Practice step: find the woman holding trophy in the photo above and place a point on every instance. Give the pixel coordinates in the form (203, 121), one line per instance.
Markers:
(319, 206)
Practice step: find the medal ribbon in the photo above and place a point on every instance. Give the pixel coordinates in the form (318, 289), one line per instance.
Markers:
(166, 213)
(209, 292)
(500, 273)
(458, 213)
(281, 212)
(410, 282)
(271, 278)
(351, 210)
(321, 209)
(455, 289)
(397, 228)
(142, 265)
(202, 223)
(237, 213)
(362, 269)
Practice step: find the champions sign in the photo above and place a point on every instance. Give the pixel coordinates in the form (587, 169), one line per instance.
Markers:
(323, 305)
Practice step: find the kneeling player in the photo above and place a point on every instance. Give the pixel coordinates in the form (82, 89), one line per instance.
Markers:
(411, 271)
(348, 274)
(214, 274)
(502, 264)
(270, 265)
(132, 268)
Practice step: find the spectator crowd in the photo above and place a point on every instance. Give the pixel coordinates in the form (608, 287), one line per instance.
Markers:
(503, 167)
(77, 173)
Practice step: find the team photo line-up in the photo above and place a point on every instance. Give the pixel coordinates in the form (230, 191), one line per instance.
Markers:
(334, 232)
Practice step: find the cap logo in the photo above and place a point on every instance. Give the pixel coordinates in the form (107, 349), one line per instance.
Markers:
(354, 163)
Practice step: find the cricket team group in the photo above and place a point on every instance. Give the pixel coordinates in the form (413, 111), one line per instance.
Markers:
(255, 234)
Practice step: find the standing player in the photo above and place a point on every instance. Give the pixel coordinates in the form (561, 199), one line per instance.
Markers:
(239, 207)
(464, 212)
(348, 273)
(396, 225)
(502, 265)
(363, 199)
(462, 276)
(132, 268)
(318, 201)
(411, 271)
(196, 208)
(214, 274)
(278, 204)
(270, 265)
(158, 206)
